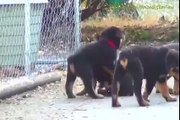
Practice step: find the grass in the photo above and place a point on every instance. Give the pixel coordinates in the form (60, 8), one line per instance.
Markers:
(111, 20)
(148, 29)
(137, 35)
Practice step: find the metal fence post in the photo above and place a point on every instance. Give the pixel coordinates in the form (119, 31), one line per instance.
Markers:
(77, 22)
(27, 36)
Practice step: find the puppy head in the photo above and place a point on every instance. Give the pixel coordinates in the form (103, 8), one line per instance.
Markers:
(115, 34)
(172, 63)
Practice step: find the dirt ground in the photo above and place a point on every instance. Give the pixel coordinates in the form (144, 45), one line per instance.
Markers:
(50, 103)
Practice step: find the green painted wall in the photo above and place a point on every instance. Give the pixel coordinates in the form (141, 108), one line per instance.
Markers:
(12, 31)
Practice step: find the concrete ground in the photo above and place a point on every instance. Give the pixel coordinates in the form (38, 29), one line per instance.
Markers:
(50, 103)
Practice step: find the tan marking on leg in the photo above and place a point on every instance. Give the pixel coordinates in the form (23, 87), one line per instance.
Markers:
(174, 74)
(165, 92)
(176, 87)
(176, 81)
(157, 88)
(72, 68)
(124, 62)
(171, 73)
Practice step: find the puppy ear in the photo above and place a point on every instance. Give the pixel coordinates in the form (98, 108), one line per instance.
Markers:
(124, 62)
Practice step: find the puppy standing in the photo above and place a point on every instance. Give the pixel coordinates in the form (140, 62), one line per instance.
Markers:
(150, 63)
(88, 62)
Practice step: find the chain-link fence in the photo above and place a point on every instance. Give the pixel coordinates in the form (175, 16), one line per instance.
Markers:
(35, 35)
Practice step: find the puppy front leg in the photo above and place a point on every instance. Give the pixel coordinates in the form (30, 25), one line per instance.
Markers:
(115, 87)
(114, 92)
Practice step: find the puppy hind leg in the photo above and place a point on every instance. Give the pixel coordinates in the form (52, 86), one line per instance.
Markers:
(69, 83)
(171, 91)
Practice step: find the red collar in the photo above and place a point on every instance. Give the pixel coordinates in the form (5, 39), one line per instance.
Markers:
(110, 43)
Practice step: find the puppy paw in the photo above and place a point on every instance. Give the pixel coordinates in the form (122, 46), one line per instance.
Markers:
(71, 96)
(116, 104)
(170, 99)
(144, 103)
(99, 96)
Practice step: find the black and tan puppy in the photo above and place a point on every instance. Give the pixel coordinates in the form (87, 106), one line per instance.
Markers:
(126, 88)
(88, 62)
(175, 90)
(150, 63)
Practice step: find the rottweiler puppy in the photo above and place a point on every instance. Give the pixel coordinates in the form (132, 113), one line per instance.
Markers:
(88, 62)
(105, 79)
(150, 63)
